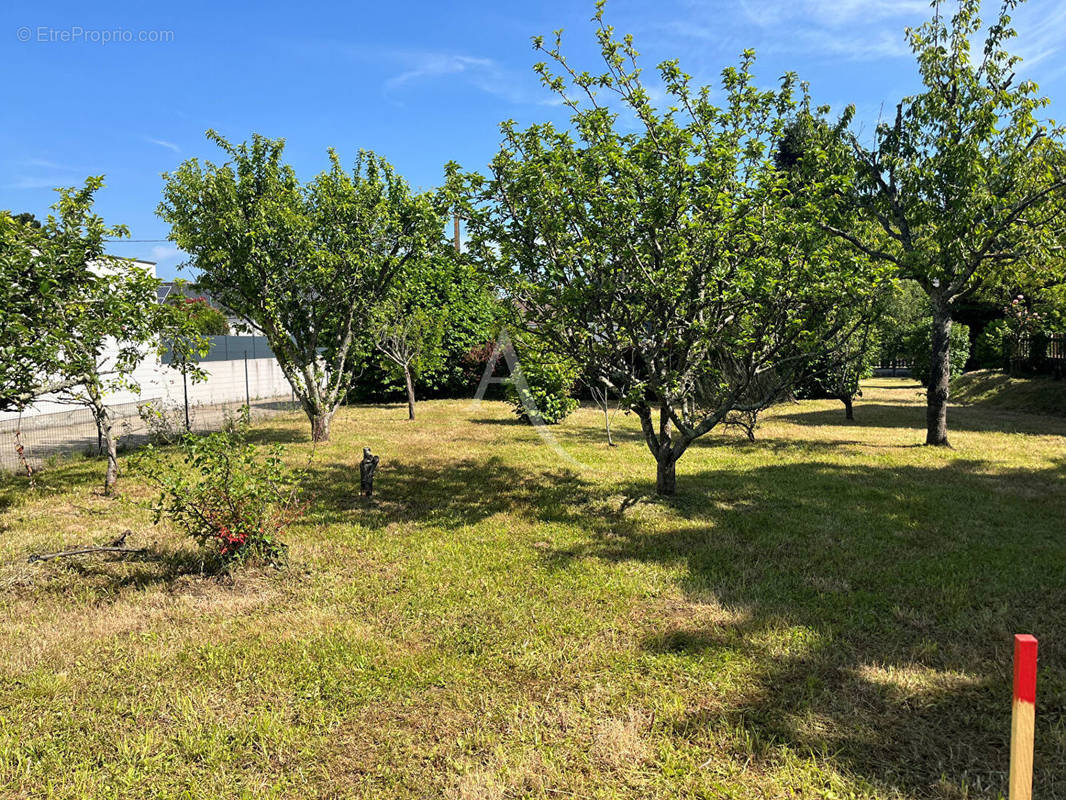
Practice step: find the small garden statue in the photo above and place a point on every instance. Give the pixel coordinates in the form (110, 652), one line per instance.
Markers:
(367, 467)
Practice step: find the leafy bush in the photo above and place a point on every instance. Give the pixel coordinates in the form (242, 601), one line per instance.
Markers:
(832, 378)
(226, 495)
(992, 349)
(906, 308)
(920, 347)
(545, 392)
(837, 373)
(456, 293)
(163, 424)
(204, 317)
(237, 421)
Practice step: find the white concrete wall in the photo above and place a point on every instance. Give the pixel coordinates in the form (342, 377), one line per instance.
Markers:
(162, 384)
(159, 383)
(225, 382)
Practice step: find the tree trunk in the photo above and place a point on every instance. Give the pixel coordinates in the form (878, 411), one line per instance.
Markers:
(849, 406)
(112, 459)
(102, 417)
(320, 422)
(663, 447)
(410, 392)
(936, 411)
(666, 475)
(604, 403)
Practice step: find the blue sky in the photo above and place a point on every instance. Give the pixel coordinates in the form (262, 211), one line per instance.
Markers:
(418, 82)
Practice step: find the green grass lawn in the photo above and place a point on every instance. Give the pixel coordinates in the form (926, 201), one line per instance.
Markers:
(826, 612)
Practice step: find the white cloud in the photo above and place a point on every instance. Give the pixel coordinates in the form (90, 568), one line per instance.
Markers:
(882, 44)
(164, 143)
(832, 13)
(483, 74)
(1041, 35)
(436, 65)
(31, 182)
(415, 67)
(164, 253)
(38, 175)
(44, 163)
(855, 30)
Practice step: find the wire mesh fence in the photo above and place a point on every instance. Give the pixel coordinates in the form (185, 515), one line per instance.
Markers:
(46, 438)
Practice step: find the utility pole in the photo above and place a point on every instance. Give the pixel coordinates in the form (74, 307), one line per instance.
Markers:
(458, 246)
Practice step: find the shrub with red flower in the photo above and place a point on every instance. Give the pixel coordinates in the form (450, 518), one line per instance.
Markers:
(227, 495)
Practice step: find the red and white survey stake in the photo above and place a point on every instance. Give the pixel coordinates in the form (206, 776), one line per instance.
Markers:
(1023, 718)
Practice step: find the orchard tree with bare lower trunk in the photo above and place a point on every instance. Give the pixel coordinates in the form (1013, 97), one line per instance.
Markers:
(306, 264)
(81, 321)
(409, 338)
(664, 252)
(46, 276)
(963, 189)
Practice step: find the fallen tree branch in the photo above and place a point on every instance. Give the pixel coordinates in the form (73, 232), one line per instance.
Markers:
(117, 546)
(34, 557)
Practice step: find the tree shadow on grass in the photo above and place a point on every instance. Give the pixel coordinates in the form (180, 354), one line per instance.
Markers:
(960, 418)
(268, 434)
(914, 386)
(876, 607)
(875, 604)
(103, 577)
(511, 422)
(448, 495)
(70, 474)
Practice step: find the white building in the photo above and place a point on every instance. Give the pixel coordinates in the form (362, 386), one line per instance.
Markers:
(238, 368)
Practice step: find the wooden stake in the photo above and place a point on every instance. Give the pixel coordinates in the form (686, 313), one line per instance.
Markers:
(1023, 718)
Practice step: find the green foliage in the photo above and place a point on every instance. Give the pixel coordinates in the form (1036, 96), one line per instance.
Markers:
(47, 286)
(992, 349)
(661, 248)
(408, 328)
(304, 263)
(963, 189)
(203, 317)
(227, 495)
(455, 295)
(471, 318)
(956, 182)
(906, 308)
(919, 346)
(79, 321)
(543, 388)
(837, 375)
(410, 337)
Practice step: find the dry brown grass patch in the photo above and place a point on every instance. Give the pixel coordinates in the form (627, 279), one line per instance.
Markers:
(620, 742)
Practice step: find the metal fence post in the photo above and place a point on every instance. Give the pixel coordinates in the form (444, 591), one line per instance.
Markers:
(185, 391)
(247, 392)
